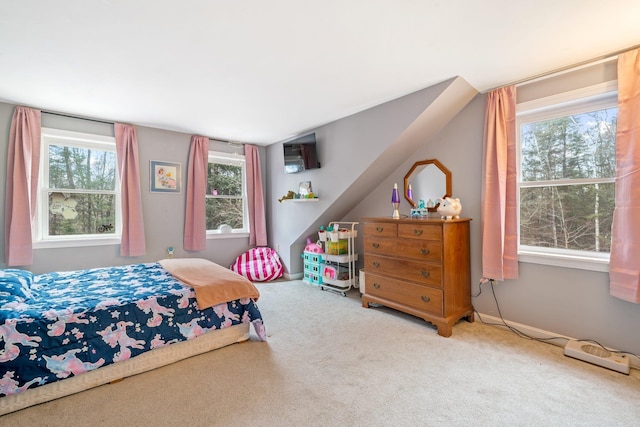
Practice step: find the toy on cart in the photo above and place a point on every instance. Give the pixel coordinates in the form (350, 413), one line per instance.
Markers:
(331, 262)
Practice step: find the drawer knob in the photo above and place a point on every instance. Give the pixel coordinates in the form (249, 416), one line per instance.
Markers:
(424, 273)
(379, 229)
(376, 285)
(417, 231)
(376, 264)
(424, 251)
(424, 298)
(376, 245)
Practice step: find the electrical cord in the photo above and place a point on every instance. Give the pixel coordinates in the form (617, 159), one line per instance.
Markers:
(523, 335)
(504, 323)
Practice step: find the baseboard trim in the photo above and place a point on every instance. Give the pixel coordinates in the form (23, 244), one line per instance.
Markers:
(540, 333)
(295, 276)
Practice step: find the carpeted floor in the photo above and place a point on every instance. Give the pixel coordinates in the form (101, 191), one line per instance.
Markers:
(330, 362)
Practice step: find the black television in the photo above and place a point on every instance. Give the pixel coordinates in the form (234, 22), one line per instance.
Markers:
(300, 154)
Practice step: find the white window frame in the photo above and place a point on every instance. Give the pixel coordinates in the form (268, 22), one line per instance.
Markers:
(591, 98)
(41, 239)
(220, 157)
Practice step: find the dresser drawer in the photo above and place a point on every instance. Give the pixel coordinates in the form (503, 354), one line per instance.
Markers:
(380, 245)
(382, 229)
(420, 231)
(414, 271)
(423, 250)
(419, 297)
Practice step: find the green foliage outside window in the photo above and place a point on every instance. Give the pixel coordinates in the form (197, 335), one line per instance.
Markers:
(225, 203)
(84, 200)
(578, 153)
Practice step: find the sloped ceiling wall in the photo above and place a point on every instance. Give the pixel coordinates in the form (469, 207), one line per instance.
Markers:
(357, 153)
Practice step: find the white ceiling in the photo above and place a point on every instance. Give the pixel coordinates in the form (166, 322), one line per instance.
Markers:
(261, 71)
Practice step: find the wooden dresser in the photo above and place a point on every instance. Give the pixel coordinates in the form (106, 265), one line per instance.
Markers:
(420, 267)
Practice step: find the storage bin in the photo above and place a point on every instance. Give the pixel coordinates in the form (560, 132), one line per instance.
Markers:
(337, 248)
(335, 272)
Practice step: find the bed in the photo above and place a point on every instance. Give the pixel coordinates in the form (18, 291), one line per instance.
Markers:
(64, 332)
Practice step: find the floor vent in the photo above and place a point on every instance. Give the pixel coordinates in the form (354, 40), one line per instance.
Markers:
(597, 355)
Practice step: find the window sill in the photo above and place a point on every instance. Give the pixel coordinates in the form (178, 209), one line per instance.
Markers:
(567, 261)
(75, 243)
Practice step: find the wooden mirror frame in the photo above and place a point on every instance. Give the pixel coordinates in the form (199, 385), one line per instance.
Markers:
(443, 169)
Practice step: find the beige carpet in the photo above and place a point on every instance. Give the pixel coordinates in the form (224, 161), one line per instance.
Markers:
(330, 362)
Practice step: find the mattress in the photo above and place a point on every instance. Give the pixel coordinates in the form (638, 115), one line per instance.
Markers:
(65, 325)
(153, 359)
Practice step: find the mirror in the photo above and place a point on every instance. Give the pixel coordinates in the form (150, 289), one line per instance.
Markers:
(428, 180)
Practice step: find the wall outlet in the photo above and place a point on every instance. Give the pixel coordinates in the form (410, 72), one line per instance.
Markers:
(277, 248)
(170, 252)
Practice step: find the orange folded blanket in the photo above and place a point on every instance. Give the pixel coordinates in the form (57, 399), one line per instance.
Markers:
(212, 283)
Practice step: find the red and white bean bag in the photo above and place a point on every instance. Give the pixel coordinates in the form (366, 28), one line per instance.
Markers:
(258, 264)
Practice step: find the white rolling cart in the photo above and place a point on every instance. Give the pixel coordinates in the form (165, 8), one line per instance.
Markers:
(339, 272)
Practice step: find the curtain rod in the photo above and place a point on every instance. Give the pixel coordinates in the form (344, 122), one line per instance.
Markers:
(568, 68)
(232, 143)
(76, 117)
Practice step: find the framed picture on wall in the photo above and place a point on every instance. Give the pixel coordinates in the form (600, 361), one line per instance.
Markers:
(165, 177)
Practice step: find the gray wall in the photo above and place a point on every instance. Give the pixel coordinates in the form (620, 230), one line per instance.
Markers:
(357, 153)
(163, 213)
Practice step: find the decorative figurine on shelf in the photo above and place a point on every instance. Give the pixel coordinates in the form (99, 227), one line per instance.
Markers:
(395, 202)
(421, 211)
(290, 195)
(449, 208)
(305, 189)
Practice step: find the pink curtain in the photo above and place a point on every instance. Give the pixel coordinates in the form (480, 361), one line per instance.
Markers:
(257, 219)
(499, 204)
(195, 224)
(23, 164)
(624, 265)
(132, 242)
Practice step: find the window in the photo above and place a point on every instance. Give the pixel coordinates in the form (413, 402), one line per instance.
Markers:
(226, 199)
(566, 147)
(78, 190)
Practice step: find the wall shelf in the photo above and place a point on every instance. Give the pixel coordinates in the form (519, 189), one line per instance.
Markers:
(315, 199)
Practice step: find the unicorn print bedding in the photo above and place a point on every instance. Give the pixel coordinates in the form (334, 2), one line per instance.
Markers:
(59, 325)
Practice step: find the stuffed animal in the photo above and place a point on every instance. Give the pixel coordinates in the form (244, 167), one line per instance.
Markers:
(449, 208)
(290, 195)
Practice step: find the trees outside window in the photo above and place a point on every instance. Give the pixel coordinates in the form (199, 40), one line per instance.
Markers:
(226, 202)
(566, 177)
(79, 193)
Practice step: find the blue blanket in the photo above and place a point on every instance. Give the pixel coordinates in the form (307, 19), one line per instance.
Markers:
(57, 325)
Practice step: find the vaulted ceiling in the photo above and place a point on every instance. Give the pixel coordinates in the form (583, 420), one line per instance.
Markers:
(263, 71)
